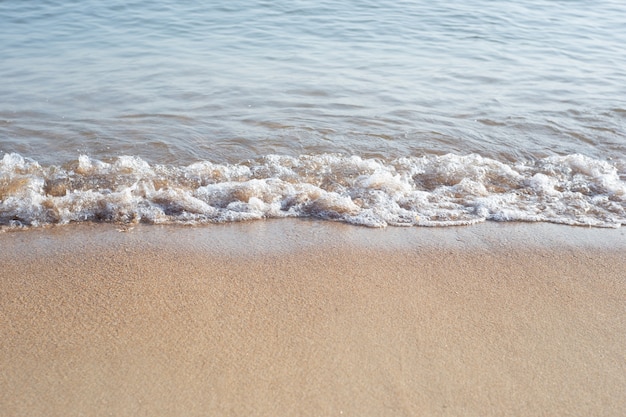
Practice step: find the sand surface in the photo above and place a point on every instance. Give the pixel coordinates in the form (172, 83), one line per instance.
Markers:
(298, 318)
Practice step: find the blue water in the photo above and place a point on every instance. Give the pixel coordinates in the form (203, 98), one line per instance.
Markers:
(233, 83)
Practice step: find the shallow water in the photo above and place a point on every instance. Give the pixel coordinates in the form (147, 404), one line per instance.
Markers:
(383, 111)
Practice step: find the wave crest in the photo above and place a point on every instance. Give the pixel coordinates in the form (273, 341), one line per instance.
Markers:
(414, 191)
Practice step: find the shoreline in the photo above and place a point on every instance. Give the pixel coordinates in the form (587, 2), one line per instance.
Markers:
(279, 235)
(302, 317)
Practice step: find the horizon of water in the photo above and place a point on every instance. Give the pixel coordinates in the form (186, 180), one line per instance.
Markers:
(373, 113)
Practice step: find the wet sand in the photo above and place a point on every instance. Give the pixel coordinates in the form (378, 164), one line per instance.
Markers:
(307, 318)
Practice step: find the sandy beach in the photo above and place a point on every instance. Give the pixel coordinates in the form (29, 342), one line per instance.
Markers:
(306, 318)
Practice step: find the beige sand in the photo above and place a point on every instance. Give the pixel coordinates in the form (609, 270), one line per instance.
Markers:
(290, 318)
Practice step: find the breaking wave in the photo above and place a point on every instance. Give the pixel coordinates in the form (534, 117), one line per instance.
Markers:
(429, 190)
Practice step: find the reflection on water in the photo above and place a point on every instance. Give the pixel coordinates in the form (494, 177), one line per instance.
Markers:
(176, 83)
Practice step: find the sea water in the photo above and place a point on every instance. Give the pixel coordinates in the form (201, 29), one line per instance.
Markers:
(369, 112)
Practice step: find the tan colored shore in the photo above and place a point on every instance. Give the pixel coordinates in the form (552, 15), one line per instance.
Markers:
(296, 318)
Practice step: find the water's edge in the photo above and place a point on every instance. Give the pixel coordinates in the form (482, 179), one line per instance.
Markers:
(431, 190)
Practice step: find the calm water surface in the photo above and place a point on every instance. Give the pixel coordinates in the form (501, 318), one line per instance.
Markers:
(88, 86)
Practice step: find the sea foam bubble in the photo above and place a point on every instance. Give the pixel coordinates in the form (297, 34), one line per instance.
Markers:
(430, 190)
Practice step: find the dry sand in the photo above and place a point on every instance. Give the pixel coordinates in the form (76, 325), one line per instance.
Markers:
(290, 318)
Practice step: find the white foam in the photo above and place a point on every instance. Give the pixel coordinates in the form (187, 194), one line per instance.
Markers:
(424, 191)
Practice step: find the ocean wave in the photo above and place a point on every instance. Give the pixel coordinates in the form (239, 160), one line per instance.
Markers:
(430, 190)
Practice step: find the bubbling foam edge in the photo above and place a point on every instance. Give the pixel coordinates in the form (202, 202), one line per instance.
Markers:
(430, 190)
